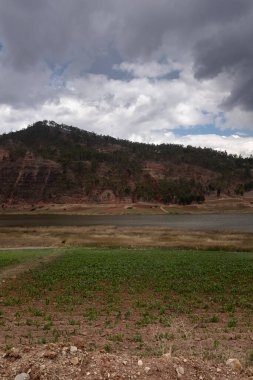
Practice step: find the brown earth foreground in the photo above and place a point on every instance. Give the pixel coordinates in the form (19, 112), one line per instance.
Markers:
(183, 350)
(61, 362)
(71, 362)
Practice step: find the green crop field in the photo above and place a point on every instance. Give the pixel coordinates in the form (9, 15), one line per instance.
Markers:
(12, 257)
(143, 299)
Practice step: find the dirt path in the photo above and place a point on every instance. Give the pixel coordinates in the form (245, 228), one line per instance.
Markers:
(14, 270)
(23, 248)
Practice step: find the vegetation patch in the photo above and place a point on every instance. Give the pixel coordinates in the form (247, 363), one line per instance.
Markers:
(14, 257)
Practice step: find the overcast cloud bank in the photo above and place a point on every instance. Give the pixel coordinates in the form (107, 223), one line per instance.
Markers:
(139, 70)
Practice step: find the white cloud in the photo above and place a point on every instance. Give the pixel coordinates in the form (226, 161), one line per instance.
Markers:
(151, 69)
(239, 119)
(119, 108)
(142, 109)
(233, 144)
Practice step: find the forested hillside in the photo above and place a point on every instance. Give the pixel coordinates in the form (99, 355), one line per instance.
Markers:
(48, 162)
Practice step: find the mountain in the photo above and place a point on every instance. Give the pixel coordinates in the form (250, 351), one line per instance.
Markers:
(48, 162)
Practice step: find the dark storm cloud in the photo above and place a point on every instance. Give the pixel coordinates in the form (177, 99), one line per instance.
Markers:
(41, 31)
(215, 36)
(172, 26)
(233, 56)
(229, 50)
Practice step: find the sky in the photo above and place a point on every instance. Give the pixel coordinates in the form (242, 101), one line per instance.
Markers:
(163, 71)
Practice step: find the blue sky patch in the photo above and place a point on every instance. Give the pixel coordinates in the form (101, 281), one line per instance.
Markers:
(209, 129)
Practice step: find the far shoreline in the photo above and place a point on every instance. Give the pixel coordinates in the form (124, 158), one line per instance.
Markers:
(212, 205)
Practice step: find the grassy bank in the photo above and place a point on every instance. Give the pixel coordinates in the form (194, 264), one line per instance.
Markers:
(131, 237)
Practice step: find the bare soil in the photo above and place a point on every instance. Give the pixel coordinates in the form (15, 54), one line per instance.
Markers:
(192, 334)
(56, 362)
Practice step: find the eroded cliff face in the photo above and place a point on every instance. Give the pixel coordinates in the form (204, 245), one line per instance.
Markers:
(29, 179)
(4, 154)
(33, 179)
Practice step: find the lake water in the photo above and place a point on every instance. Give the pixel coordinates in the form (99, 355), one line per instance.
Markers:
(220, 222)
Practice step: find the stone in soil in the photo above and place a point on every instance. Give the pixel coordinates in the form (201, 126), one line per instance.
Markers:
(22, 376)
(235, 364)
